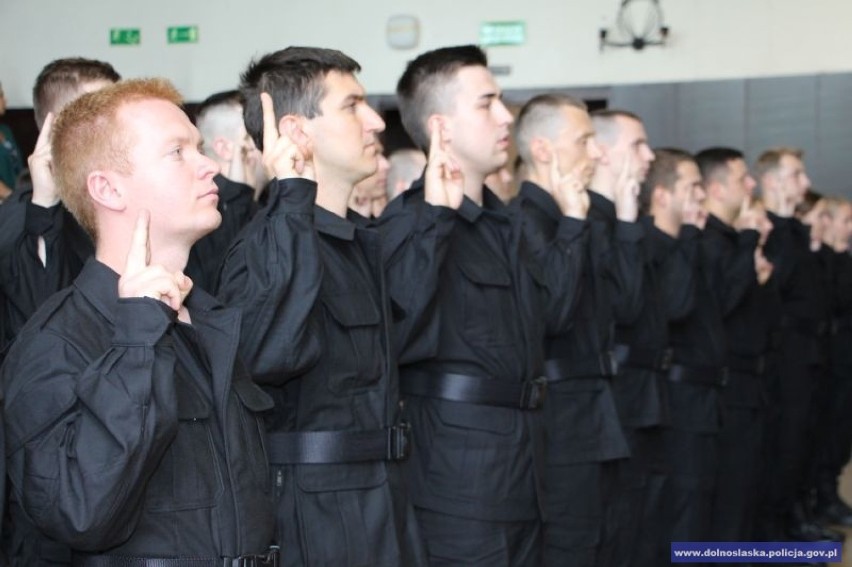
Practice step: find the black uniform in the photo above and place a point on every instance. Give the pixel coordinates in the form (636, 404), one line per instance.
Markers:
(236, 205)
(583, 430)
(837, 435)
(791, 385)
(131, 434)
(479, 304)
(316, 334)
(25, 283)
(641, 394)
(697, 338)
(745, 304)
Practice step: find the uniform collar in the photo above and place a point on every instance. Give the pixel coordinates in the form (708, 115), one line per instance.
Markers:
(541, 199)
(329, 223)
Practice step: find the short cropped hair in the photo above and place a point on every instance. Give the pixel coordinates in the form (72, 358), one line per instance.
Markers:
(60, 80)
(87, 136)
(606, 122)
(770, 160)
(713, 162)
(663, 173)
(422, 88)
(295, 79)
(540, 117)
(220, 114)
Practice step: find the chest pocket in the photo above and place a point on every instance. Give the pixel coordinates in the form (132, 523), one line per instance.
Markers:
(487, 303)
(353, 333)
(189, 476)
(253, 403)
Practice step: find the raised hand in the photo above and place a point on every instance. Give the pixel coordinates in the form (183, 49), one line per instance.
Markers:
(45, 193)
(237, 167)
(626, 194)
(569, 190)
(282, 157)
(443, 177)
(748, 217)
(141, 279)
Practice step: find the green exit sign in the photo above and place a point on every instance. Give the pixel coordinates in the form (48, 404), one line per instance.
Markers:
(502, 33)
(183, 34)
(125, 36)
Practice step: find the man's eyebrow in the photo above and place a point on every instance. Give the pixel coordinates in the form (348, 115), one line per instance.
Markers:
(354, 97)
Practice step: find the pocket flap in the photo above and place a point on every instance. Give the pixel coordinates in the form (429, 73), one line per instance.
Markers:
(484, 273)
(253, 396)
(352, 309)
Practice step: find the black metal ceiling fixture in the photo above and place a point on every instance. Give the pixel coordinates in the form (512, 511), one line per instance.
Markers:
(638, 25)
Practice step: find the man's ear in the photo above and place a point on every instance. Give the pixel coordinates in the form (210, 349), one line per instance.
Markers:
(541, 150)
(298, 129)
(105, 190)
(660, 198)
(223, 148)
(714, 189)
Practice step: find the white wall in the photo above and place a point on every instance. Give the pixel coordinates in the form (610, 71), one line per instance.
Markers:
(711, 39)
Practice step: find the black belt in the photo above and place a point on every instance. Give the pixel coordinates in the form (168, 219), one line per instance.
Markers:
(595, 366)
(747, 364)
(270, 559)
(709, 375)
(328, 447)
(528, 395)
(648, 358)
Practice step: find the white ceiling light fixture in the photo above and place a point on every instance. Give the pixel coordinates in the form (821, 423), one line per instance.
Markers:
(403, 31)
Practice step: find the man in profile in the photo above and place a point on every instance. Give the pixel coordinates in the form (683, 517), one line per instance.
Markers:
(307, 275)
(42, 248)
(137, 441)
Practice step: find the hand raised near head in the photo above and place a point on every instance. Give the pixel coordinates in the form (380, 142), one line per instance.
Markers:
(141, 279)
(45, 193)
(748, 218)
(444, 180)
(626, 194)
(282, 157)
(569, 190)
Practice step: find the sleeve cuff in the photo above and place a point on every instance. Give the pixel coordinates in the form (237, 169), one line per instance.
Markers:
(141, 321)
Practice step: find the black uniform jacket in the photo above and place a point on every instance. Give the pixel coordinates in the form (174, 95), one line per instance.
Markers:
(475, 300)
(236, 205)
(131, 434)
(842, 324)
(696, 330)
(25, 283)
(316, 324)
(640, 322)
(797, 274)
(582, 420)
(749, 310)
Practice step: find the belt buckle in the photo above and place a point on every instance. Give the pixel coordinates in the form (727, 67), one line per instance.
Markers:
(398, 442)
(533, 393)
(270, 559)
(666, 359)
